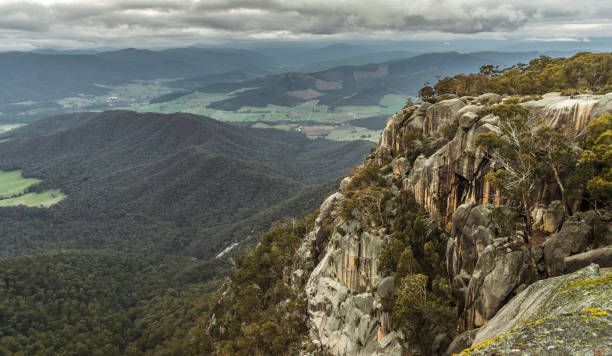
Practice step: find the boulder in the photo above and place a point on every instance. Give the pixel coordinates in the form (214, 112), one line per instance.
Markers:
(601, 257)
(400, 167)
(440, 114)
(463, 341)
(587, 333)
(472, 233)
(488, 98)
(552, 297)
(571, 239)
(553, 216)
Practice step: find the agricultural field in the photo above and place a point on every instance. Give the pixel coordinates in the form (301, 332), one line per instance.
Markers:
(352, 133)
(197, 102)
(288, 118)
(13, 189)
(137, 96)
(129, 96)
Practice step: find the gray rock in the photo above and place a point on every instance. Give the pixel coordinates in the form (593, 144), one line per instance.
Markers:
(468, 119)
(553, 216)
(463, 341)
(384, 287)
(485, 98)
(346, 181)
(601, 257)
(571, 239)
(441, 113)
(499, 283)
(567, 334)
(400, 166)
(549, 298)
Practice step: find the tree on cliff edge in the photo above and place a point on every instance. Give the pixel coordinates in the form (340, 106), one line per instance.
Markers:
(514, 149)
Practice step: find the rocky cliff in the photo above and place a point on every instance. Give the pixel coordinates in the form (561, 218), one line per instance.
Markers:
(430, 151)
(420, 251)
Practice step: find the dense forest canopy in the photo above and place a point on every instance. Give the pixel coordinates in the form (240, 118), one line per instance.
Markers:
(101, 303)
(582, 73)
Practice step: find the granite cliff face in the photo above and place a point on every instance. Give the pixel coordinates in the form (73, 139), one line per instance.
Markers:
(338, 264)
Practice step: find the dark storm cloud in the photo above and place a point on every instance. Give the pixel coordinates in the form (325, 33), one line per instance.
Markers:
(209, 18)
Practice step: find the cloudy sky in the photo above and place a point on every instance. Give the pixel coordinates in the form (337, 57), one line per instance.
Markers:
(30, 24)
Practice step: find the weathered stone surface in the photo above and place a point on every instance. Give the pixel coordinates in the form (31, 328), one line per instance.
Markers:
(587, 333)
(343, 293)
(345, 288)
(400, 166)
(440, 114)
(486, 270)
(601, 257)
(498, 273)
(466, 120)
(571, 239)
(570, 115)
(488, 97)
(551, 297)
(553, 216)
(346, 181)
(461, 342)
(472, 234)
(455, 174)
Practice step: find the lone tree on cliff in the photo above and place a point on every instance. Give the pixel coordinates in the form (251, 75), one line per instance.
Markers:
(514, 149)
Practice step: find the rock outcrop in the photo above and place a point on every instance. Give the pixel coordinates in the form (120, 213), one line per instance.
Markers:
(590, 334)
(587, 288)
(338, 265)
(571, 239)
(345, 289)
(454, 174)
(486, 270)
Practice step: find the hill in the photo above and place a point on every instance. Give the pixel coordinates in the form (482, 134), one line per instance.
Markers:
(159, 184)
(355, 85)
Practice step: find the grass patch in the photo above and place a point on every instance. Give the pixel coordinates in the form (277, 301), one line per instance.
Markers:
(13, 187)
(36, 200)
(13, 184)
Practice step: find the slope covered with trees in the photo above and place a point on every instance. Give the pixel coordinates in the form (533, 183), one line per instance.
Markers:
(159, 184)
(100, 303)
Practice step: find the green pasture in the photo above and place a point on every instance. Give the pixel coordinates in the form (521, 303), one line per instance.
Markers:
(13, 187)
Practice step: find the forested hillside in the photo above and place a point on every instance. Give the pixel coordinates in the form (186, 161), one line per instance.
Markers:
(100, 303)
(160, 184)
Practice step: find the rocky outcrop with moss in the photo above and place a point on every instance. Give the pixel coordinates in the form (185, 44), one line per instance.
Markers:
(569, 314)
(590, 287)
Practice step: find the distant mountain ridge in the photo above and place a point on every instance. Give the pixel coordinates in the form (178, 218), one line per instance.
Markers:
(357, 85)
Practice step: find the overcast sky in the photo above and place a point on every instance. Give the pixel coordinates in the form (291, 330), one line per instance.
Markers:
(172, 23)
